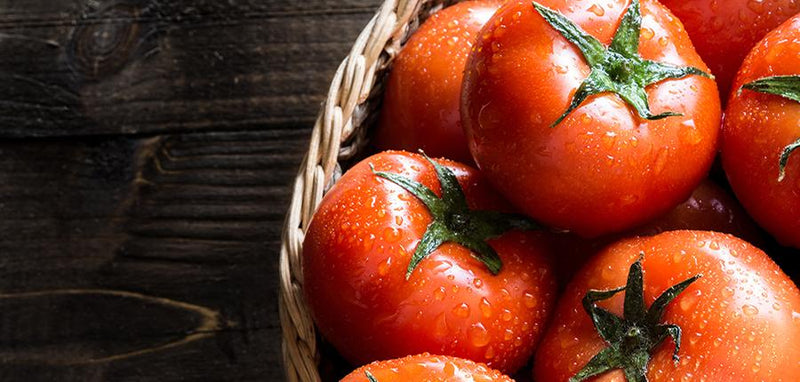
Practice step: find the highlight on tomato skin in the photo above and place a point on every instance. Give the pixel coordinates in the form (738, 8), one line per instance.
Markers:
(739, 321)
(356, 256)
(420, 107)
(758, 127)
(724, 31)
(604, 168)
(426, 367)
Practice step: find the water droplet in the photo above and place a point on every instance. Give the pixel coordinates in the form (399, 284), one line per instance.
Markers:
(461, 310)
(689, 134)
(486, 308)
(647, 33)
(439, 293)
(398, 220)
(713, 245)
(749, 310)
(506, 315)
(449, 369)
(663, 41)
(489, 352)
(756, 6)
(383, 267)
(776, 306)
(478, 335)
(391, 234)
(560, 69)
(529, 300)
(478, 283)
(597, 10)
(440, 326)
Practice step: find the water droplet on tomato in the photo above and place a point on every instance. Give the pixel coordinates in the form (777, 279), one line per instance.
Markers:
(489, 354)
(461, 310)
(647, 33)
(749, 310)
(529, 300)
(486, 308)
(478, 335)
(439, 293)
(597, 10)
(391, 234)
(757, 6)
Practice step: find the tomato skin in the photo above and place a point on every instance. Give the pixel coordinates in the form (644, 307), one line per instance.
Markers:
(757, 127)
(739, 321)
(723, 32)
(602, 169)
(709, 208)
(426, 367)
(359, 244)
(421, 102)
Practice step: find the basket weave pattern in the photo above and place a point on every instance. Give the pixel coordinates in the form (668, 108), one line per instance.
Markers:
(338, 134)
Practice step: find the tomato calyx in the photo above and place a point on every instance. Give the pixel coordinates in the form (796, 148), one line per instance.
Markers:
(370, 376)
(618, 68)
(454, 221)
(631, 338)
(787, 87)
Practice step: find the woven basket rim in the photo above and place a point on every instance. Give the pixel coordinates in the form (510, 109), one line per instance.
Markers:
(338, 133)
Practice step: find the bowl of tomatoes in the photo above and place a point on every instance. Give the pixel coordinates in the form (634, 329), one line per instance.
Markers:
(553, 190)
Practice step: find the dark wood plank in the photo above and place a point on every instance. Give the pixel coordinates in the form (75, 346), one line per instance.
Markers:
(149, 66)
(146, 259)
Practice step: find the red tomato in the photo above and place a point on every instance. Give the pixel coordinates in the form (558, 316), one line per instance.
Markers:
(709, 208)
(604, 167)
(421, 102)
(757, 128)
(724, 31)
(355, 257)
(426, 367)
(740, 321)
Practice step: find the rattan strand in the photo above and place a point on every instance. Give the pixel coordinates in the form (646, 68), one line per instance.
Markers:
(339, 133)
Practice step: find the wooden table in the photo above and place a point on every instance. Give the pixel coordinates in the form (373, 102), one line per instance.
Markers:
(146, 155)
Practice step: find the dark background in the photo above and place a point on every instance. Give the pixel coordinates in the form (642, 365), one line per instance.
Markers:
(146, 153)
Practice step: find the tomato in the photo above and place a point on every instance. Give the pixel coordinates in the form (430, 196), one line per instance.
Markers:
(739, 321)
(426, 367)
(421, 101)
(709, 208)
(371, 302)
(757, 128)
(723, 32)
(597, 164)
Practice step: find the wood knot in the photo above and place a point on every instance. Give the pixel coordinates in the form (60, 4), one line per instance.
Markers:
(106, 40)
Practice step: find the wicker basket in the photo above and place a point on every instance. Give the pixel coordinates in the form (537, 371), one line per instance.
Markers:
(339, 134)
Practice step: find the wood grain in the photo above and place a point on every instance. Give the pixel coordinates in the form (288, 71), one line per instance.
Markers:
(151, 66)
(146, 153)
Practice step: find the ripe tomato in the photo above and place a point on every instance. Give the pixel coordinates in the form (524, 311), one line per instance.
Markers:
(426, 367)
(356, 258)
(709, 208)
(739, 321)
(421, 102)
(724, 31)
(757, 128)
(606, 166)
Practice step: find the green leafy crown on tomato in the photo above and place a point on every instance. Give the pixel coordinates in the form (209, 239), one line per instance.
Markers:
(631, 338)
(454, 221)
(618, 68)
(787, 87)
